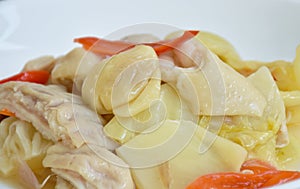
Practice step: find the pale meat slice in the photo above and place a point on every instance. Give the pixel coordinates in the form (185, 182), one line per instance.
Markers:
(88, 167)
(56, 114)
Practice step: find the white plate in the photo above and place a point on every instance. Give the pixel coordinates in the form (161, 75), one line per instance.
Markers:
(259, 29)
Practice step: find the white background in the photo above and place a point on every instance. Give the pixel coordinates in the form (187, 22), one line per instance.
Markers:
(259, 29)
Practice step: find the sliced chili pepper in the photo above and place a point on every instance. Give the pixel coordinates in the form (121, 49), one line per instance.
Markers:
(281, 177)
(6, 112)
(35, 76)
(109, 48)
(264, 175)
(166, 45)
(228, 180)
(103, 46)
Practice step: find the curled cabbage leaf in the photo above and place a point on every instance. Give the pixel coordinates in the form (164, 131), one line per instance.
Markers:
(289, 156)
(20, 140)
(293, 114)
(125, 84)
(71, 69)
(292, 104)
(261, 136)
(209, 86)
(291, 98)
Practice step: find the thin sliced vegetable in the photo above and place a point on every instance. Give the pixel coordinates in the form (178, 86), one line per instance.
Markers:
(35, 76)
(103, 46)
(109, 48)
(164, 46)
(281, 177)
(228, 180)
(264, 175)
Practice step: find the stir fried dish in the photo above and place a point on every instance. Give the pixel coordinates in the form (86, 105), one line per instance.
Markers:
(184, 112)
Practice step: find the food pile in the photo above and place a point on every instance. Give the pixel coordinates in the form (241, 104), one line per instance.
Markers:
(140, 112)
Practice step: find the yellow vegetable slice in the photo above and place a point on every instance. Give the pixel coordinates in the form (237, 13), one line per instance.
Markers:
(169, 106)
(212, 87)
(172, 153)
(130, 78)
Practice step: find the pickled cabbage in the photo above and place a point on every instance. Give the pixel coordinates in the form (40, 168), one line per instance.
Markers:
(19, 140)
